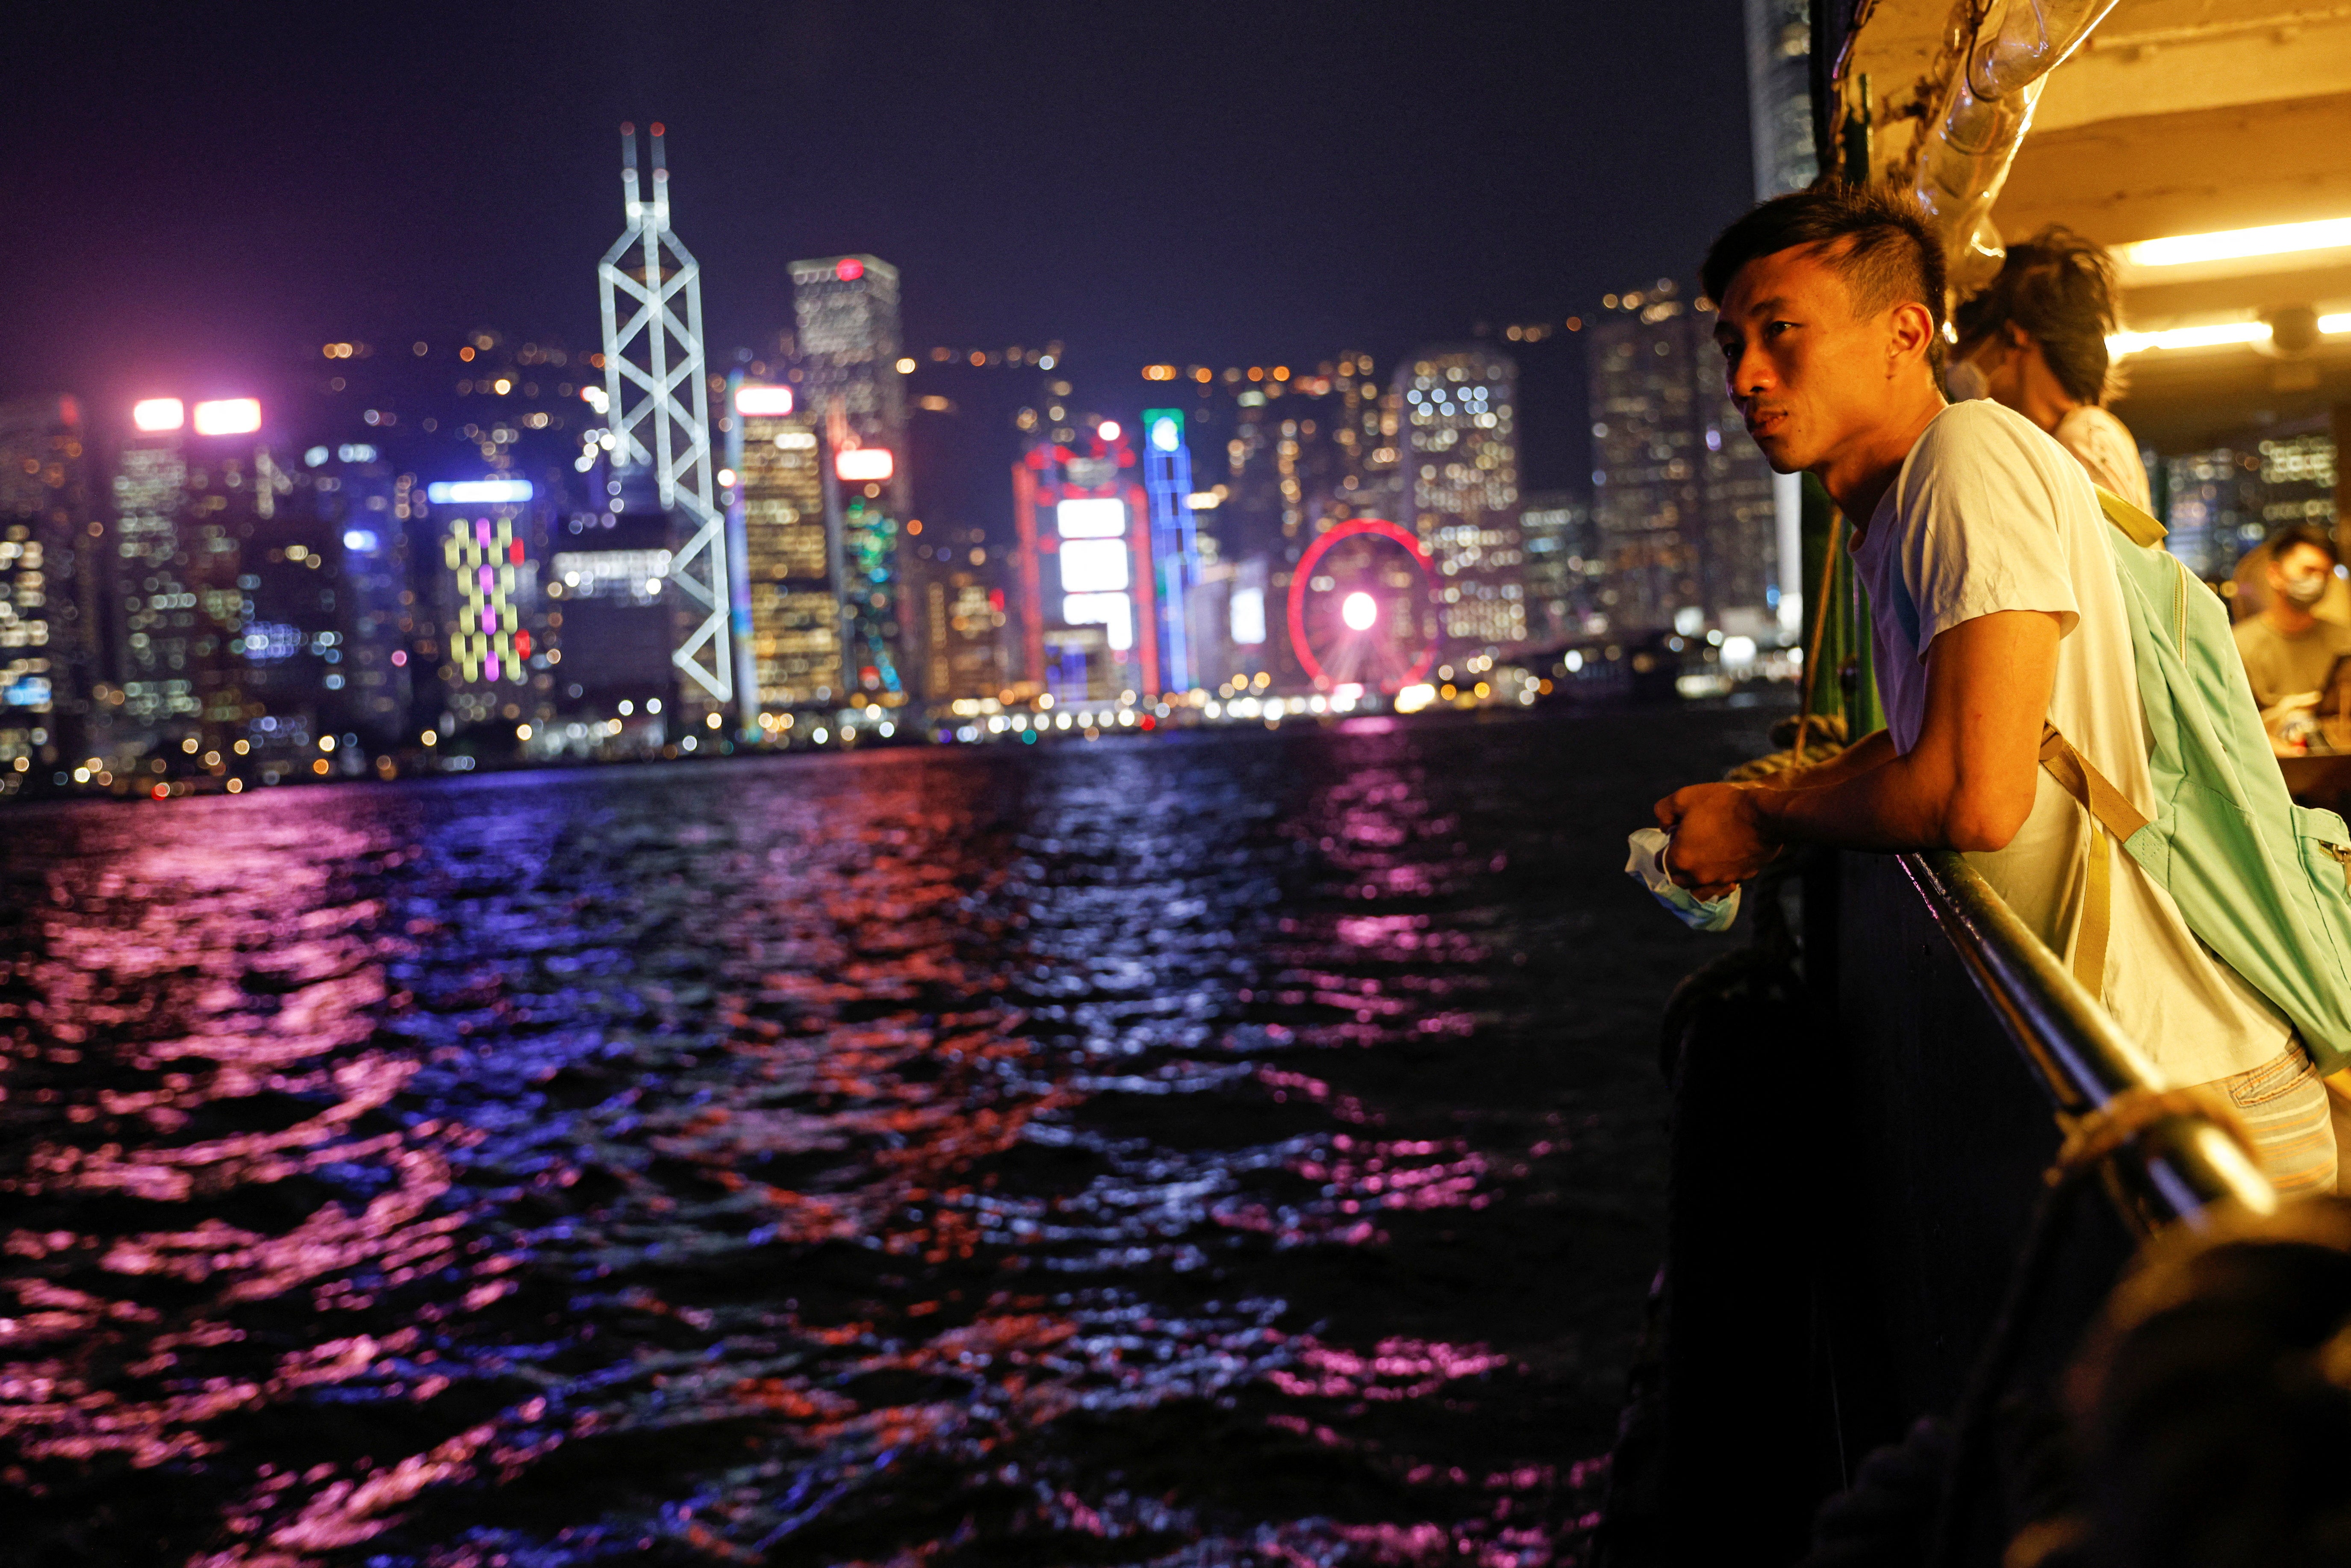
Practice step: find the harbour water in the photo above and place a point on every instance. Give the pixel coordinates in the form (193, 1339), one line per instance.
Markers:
(1221, 1149)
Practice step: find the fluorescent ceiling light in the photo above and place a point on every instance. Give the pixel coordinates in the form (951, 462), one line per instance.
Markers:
(2232, 244)
(2212, 335)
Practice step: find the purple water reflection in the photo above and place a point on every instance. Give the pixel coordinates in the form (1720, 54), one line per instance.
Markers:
(1240, 1151)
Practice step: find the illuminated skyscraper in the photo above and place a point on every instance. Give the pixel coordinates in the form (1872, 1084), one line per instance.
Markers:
(963, 611)
(1175, 555)
(1779, 95)
(657, 401)
(48, 606)
(1085, 601)
(846, 308)
(1458, 448)
(1563, 564)
(792, 571)
(189, 488)
(484, 546)
(1780, 112)
(377, 604)
(1682, 498)
(321, 650)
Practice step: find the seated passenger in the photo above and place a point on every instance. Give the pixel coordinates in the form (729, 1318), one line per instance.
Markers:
(2289, 651)
(2034, 340)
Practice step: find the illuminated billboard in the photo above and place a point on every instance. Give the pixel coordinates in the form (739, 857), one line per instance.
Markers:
(1114, 613)
(764, 402)
(478, 493)
(1091, 517)
(228, 416)
(1247, 609)
(864, 464)
(159, 413)
(1094, 566)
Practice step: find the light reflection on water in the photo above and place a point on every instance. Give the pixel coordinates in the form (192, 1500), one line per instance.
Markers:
(1230, 1151)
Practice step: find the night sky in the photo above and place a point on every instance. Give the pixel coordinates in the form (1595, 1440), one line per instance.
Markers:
(199, 196)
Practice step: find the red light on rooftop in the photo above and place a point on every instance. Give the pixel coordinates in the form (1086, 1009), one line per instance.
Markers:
(864, 464)
(848, 268)
(156, 413)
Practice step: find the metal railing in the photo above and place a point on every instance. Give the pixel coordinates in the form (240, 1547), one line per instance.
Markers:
(2179, 1164)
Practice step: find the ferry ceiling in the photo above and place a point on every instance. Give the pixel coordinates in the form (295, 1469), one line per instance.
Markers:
(2203, 141)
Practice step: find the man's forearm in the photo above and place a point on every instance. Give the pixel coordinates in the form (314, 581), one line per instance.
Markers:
(1872, 750)
(1893, 806)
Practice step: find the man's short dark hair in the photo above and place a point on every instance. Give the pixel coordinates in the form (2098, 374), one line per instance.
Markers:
(2310, 534)
(2059, 288)
(1876, 239)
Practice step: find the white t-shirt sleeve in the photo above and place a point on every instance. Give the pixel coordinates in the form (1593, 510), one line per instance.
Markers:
(1979, 516)
(2104, 446)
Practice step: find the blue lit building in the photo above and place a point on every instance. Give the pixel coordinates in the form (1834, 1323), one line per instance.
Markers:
(1174, 554)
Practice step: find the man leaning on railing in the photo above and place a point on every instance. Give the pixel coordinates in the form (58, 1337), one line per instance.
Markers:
(1996, 614)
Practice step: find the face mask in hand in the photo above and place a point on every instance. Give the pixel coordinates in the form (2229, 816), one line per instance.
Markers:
(1966, 384)
(2305, 590)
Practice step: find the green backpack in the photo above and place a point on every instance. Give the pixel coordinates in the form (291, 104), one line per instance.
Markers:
(2263, 883)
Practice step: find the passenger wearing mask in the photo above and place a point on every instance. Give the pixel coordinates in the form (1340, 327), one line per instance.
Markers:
(2034, 340)
(2288, 649)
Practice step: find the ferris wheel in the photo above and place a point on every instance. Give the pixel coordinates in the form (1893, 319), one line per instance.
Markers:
(1359, 610)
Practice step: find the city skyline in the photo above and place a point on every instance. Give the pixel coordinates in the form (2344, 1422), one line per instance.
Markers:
(230, 238)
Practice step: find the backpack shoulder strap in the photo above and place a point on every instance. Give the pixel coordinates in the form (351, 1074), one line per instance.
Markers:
(2093, 789)
(2129, 521)
(2111, 810)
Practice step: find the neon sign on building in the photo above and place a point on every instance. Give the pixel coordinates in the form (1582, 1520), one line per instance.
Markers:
(487, 641)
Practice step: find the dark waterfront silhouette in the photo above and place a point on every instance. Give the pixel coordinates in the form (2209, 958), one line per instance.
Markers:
(1235, 1149)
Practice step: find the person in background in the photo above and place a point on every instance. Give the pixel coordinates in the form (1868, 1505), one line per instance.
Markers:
(2034, 340)
(2287, 648)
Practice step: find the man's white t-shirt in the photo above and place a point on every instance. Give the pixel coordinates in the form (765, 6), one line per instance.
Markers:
(1990, 514)
(2103, 445)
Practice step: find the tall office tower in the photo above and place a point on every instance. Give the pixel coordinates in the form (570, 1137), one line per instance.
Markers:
(1779, 95)
(197, 492)
(154, 624)
(846, 308)
(1358, 435)
(48, 604)
(1682, 498)
(790, 570)
(657, 407)
(1779, 112)
(1563, 564)
(482, 543)
(1175, 552)
(1740, 553)
(963, 608)
(1458, 448)
(1083, 571)
(349, 514)
(292, 647)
